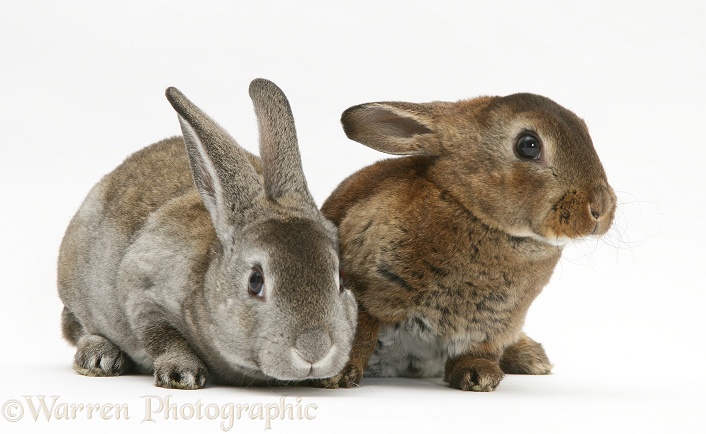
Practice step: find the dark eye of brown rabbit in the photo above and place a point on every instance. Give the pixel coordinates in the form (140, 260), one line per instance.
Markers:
(528, 147)
(256, 283)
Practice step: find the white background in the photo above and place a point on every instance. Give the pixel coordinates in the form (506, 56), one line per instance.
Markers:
(623, 320)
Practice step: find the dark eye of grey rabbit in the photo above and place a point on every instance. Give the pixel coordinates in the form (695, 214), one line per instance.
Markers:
(256, 283)
(528, 147)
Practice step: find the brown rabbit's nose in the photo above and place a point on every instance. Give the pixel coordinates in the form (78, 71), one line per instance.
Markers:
(595, 212)
(602, 208)
(602, 202)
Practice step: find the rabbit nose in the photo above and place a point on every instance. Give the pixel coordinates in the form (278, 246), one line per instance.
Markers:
(602, 209)
(601, 203)
(313, 344)
(595, 212)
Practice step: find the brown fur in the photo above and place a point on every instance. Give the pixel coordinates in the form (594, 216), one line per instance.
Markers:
(458, 235)
(468, 372)
(525, 357)
(130, 205)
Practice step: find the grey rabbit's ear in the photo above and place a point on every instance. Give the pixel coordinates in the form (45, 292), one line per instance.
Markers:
(279, 149)
(397, 128)
(222, 172)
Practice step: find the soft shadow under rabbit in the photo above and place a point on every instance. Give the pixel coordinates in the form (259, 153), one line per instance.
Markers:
(231, 274)
(446, 248)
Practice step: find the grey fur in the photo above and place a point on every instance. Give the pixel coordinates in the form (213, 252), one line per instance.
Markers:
(154, 267)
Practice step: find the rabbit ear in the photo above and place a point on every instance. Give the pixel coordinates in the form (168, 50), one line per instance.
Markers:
(282, 166)
(223, 175)
(393, 127)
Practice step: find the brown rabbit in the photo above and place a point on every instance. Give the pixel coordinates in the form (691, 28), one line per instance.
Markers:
(445, 249)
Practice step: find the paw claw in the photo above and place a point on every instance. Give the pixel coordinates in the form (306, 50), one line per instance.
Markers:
(478, 375)
(98, 357)
(179, 372)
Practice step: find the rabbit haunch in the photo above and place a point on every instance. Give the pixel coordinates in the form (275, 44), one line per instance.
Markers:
(155, 267)
(446, 248)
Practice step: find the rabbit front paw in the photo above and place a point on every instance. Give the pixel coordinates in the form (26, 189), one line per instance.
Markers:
(478, 375)
(96, 356)
(349, 376)
(179, 371)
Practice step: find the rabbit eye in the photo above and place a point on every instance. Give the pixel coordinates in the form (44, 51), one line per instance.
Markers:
(256, 283)
(528, 147)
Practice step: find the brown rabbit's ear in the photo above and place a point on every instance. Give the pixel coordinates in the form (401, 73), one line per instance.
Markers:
(392, 127)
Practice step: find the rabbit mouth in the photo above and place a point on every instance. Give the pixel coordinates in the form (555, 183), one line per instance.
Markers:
(577, 215)
(297, 365)
(319, 369)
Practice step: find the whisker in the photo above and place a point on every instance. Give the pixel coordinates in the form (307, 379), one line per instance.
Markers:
(631, 217)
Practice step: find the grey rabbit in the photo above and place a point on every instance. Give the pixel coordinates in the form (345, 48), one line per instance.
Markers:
(196, 259)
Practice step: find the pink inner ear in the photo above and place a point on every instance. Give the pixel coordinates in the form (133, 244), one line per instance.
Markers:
(392, 124)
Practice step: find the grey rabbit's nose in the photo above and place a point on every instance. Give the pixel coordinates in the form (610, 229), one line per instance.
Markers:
(313, 344)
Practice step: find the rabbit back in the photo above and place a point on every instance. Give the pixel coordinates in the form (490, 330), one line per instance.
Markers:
(153, 183)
